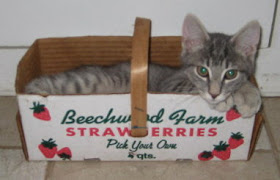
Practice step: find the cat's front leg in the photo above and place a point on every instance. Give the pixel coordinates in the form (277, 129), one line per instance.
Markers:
(223, 106)
(247, 100)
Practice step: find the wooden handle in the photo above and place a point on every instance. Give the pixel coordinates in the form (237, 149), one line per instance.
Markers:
(139, 77)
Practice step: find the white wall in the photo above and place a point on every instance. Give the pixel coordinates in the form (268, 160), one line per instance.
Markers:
(268, 72)
(24, 21)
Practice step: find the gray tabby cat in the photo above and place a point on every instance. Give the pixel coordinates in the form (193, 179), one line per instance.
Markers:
(215, 65)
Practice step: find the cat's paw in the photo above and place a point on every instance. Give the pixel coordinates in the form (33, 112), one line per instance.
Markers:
(224, 106)
(247, 100)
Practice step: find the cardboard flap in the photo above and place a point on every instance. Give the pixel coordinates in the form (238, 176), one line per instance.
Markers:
(28, 68)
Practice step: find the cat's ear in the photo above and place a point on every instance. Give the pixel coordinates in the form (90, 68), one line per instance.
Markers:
(194, 34)
(247, 39)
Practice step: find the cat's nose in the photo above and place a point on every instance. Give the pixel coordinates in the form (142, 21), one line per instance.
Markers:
(214, 95)
(214, 88)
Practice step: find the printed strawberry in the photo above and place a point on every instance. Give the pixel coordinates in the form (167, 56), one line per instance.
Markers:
(235, 140)
(205, 156)
(222, 151)
(232, 114)
(65, 153)
(40, 112)
(48, 148)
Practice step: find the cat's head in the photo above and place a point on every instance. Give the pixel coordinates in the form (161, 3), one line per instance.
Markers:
(216, 63)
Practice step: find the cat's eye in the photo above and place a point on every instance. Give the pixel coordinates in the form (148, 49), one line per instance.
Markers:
(231, 74)
(202, 71)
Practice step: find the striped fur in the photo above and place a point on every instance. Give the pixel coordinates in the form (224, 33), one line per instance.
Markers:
(109, 79)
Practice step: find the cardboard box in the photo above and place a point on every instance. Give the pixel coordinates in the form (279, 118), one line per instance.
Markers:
(86, 127)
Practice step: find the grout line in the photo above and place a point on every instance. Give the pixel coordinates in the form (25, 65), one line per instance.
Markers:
(272, 141)
(10, 147)
(264, 150)
(49, 169)
(14, 47)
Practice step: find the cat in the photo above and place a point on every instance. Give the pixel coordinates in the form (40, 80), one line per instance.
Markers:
(215, 65)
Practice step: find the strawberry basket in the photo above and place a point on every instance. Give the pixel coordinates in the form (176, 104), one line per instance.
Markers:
(137, 126)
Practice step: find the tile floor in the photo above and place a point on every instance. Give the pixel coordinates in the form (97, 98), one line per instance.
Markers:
(265, 163)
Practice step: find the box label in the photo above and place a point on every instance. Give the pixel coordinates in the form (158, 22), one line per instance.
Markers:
(86, 127)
